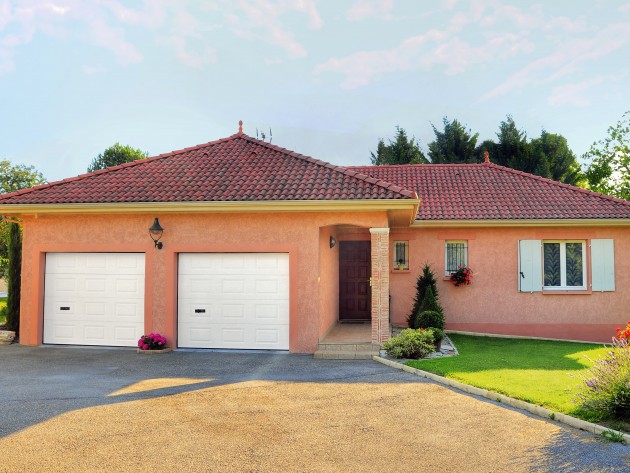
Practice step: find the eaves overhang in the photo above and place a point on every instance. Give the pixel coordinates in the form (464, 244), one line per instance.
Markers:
(363, 205)
(595, 222)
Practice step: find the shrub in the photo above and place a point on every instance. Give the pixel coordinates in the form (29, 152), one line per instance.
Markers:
(425, 280)
(430, 318)
(606, 393)
(438, 334)
(413, 344)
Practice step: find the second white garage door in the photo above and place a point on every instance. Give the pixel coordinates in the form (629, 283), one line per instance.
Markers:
(233, 300)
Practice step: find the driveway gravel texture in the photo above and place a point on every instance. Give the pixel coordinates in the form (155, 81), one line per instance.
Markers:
(94, 409)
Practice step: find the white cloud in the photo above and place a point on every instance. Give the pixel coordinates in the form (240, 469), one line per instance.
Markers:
(363, 66)
(567, 59)
(363, 9)
(573, 94)
(263, 19)
(434, 48)
(206, 55)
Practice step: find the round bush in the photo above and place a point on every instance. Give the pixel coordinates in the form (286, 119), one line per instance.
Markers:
(430, 318)
(412, 344)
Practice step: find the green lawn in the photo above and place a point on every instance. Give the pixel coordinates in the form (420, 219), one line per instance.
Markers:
(541, 372)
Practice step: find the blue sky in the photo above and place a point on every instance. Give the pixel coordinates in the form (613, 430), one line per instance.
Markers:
(328, 77)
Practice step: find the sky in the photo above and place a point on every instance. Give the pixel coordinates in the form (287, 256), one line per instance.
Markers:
(329, 78)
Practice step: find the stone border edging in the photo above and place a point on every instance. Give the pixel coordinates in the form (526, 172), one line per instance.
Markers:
(526, 406)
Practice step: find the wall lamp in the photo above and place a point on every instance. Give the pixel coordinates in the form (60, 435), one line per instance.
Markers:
(155, 231)
(333, 241)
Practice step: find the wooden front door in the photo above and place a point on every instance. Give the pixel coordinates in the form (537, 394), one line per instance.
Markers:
(355, 269)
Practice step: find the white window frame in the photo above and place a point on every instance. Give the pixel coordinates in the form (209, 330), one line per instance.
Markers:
(563, 267)
(406, 260)
(447, 273)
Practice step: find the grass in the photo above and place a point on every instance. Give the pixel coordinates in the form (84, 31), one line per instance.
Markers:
(541, 372)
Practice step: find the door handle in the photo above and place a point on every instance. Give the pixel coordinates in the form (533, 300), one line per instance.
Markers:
(370, 281)
(522, 275)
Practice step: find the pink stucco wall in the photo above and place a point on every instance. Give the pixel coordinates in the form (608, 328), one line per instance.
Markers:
(492, 303)
(328, 280)
(314, 280)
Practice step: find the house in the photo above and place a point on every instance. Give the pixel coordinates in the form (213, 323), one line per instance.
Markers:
(257, 247)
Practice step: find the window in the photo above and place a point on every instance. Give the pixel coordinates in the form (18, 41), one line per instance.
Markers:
(456, 256)
(561, 265)
(401, 255)
(564, 264)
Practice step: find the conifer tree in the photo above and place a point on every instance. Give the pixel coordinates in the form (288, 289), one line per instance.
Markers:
(14, 277)
(425, 280)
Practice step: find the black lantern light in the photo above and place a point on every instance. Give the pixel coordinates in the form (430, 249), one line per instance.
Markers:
(155, 231)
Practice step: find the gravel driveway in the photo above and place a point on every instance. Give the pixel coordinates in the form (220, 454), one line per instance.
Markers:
(83, 409)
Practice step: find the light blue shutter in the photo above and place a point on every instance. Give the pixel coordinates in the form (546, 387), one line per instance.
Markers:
(530, 265)
(603, 263)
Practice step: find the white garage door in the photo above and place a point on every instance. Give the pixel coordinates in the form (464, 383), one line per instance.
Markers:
(233, 300)
(94, 298)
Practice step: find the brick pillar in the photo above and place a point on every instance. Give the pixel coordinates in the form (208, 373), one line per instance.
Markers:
(380, 285)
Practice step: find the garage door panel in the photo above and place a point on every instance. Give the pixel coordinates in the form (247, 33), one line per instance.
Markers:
(273, 337)
(94, 298)
(234, 300)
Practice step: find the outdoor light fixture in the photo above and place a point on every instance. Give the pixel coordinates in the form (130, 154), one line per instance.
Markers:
(155, 231)
(333, 242)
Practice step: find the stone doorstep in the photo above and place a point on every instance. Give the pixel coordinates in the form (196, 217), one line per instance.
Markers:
(348, 347)
(345, 355)
(346, 351)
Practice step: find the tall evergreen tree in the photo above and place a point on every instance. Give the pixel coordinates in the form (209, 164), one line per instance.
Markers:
(512, 147)
(14, 277)
(554, 159)
(455, 144)
(425, 281)
(400, 151)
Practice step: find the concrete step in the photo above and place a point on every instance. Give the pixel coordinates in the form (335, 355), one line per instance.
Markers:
(346, 351)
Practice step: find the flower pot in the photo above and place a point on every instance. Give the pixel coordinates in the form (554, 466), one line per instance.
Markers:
(155, 352)
(6, 337)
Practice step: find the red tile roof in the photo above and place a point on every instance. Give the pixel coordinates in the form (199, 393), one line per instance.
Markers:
(238, 168)
(491, 192)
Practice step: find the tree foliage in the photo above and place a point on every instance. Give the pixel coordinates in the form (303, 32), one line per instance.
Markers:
(455, 144)
(609, 168)
(14, 277)
(555, 159)
(115, 155)
(425, 281)
(14, 177)
(547, 156)
(400, 151)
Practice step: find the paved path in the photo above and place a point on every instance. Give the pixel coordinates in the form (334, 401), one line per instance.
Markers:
(78, 409)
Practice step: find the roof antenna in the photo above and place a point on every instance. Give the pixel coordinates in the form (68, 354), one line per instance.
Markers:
(262, 135)
(256, 132)
(270, 135)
